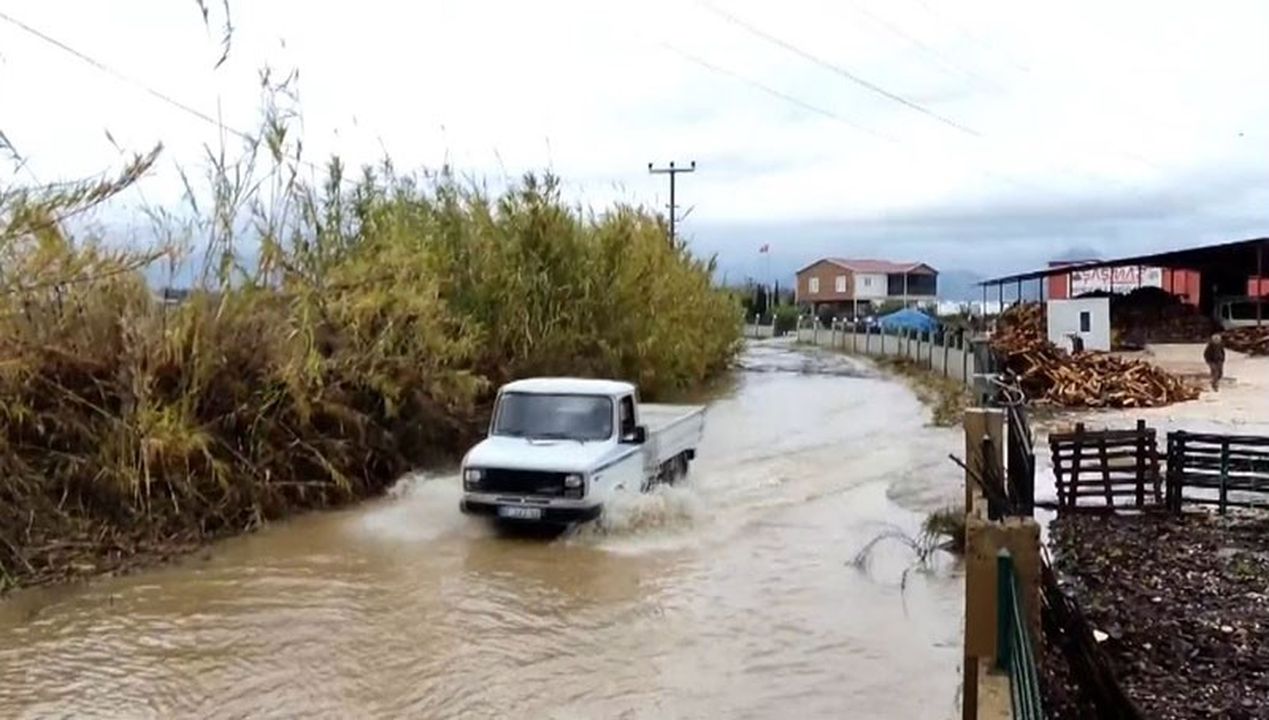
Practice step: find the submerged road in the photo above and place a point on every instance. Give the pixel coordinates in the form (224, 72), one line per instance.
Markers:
(731, 596)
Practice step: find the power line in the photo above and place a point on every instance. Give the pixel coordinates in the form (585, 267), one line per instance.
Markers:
(777, 93)
(798, 102)
(947, 63)
(790, 47)
(157, 94)
(972, 37)
(837, 69)
(118, 75)
(938, 57)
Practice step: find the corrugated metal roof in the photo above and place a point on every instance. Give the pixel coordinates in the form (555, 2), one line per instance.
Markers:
(1240, 254)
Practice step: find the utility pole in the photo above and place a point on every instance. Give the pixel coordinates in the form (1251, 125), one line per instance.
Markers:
(673, 172)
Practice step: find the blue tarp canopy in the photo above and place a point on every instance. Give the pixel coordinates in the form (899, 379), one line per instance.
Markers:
(909, 319)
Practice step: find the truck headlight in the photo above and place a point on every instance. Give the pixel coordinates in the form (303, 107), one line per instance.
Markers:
(572, 481)
(472, 478)
(574, 486)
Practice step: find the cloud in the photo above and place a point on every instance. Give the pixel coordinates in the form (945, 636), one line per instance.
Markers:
(1136, 131)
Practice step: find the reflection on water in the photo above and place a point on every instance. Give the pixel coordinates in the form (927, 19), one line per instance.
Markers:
(730, 596)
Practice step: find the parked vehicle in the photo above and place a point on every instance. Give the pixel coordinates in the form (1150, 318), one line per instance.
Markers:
(558, 449)
(1233, 312)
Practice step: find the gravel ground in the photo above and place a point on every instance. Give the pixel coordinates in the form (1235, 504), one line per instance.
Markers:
(1184, 607)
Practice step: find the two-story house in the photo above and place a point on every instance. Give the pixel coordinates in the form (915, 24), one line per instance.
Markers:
(857, 287)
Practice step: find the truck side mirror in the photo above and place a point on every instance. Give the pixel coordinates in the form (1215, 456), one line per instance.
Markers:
(638, 436)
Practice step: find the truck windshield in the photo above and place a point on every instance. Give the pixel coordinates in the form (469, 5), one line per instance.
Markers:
(567, 417)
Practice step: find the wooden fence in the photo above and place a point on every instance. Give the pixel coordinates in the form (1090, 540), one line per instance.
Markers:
(1222, 470)
(1117, 467)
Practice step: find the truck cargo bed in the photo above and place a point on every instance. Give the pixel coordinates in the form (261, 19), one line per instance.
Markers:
(672, 431)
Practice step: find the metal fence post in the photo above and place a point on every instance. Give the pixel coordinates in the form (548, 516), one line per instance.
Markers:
(1141, 463)
(1224, 475)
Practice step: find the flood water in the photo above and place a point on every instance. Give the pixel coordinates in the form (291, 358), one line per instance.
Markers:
(732, 596)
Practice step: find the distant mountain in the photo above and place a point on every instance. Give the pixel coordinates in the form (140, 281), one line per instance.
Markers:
(960, 285)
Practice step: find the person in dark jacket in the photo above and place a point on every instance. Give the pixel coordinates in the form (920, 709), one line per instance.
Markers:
(1214, 355)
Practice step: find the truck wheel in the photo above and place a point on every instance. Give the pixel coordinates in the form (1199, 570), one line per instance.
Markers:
(676, 470)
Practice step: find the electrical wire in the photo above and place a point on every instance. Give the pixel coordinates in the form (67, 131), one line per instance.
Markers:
(157, 94)
(777, 93)
(877, 89)
(810, 107)
(939, 58)
(164, 97)
(973, 38)
(837, 69)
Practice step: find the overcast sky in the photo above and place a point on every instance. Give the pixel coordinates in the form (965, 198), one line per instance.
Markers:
(1040, 129)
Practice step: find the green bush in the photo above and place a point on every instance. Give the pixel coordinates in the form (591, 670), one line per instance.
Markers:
(786, 319)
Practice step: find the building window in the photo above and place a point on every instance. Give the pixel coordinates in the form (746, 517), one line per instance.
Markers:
(813, 285)
(841, 283)
(867, 282)
(1086, 321)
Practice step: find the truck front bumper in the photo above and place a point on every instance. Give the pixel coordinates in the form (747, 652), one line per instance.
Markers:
(561, 515)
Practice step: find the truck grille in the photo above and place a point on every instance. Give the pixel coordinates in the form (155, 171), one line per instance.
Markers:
(523, 482)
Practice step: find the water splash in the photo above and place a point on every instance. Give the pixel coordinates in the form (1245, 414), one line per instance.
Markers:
(667, 509)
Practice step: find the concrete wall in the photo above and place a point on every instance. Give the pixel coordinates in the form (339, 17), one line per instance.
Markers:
(947, 361)
(1064, 319)
(759, 332)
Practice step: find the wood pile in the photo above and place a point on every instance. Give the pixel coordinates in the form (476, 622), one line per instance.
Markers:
(1152, 315)
(1249, 340)
(1088, 379)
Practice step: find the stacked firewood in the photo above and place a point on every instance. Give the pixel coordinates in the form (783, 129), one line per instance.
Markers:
(1250, 340)
(1152, 315)
(1087, 379)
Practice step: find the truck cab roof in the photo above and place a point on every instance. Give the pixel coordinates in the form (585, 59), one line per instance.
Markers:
(569, 386)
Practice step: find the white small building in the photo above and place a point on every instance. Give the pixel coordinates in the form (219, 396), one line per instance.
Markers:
(1089, 318)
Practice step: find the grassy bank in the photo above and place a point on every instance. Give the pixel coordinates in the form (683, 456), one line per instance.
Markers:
(947, 398)
(365, 341)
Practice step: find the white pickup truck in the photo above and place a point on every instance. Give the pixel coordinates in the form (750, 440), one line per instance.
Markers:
(559, 448)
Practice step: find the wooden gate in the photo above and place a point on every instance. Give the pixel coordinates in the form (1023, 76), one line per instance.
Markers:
(1101, 470)
(1222, 470)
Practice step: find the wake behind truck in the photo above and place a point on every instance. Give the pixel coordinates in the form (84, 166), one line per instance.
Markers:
(558, 449)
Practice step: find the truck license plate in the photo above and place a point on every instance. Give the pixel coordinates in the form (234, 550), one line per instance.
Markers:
(520, 513)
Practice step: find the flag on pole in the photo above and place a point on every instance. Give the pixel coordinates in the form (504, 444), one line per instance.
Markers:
(764, 248)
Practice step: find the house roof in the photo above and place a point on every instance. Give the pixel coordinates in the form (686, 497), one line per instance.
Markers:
(875, 266)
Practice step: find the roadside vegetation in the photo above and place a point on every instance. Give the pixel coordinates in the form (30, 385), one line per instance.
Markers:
(946, 397)
(947, 524)
(364, 339)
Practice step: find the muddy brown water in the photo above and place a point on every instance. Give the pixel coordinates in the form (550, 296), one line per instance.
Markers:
(732, 596)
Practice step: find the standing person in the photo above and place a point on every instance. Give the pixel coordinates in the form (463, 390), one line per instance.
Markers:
(1214, 355)
(1077, 343)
